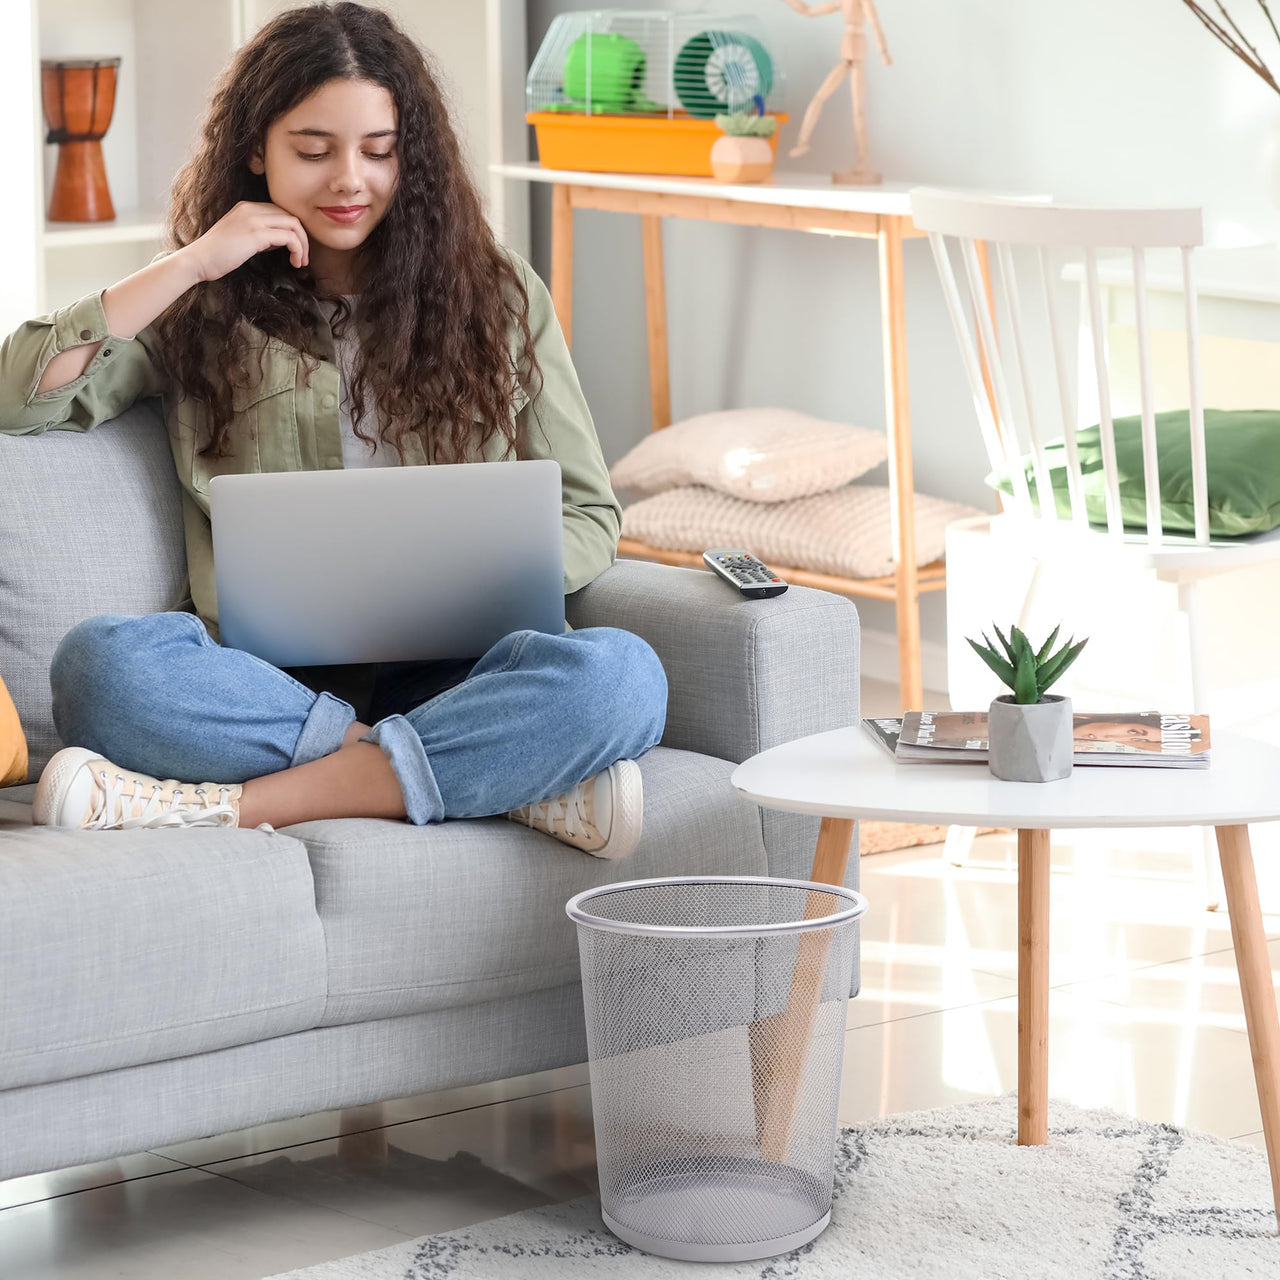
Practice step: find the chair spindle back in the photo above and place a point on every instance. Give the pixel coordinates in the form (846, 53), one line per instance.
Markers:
(1013, 427)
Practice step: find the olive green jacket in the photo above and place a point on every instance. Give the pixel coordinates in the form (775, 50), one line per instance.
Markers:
(281, 424)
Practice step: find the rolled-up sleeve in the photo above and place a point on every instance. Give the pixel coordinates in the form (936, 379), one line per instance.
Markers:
(557, 424)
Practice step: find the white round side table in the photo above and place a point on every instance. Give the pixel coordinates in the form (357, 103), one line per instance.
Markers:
(843, 776)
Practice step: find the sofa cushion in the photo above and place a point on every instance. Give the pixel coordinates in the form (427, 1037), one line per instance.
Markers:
(846, 531)
(125, 947)
(758, 455)
(1242, 472)
(113, 498)
(420, 918)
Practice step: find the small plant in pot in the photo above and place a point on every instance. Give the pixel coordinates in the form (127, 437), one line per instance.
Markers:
(744, 153)
(1030, 731)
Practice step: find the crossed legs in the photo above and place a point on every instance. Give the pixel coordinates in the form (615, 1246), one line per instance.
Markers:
(537, 715)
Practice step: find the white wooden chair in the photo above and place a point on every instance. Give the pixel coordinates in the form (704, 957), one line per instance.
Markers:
(1020, 409)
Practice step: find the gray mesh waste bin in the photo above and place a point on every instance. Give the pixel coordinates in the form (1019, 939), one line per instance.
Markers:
(715, 1013)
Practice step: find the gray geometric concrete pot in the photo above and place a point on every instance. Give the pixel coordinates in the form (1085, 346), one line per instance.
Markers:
(1030, 741)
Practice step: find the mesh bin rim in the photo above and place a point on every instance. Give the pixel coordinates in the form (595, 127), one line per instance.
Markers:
(576, 912)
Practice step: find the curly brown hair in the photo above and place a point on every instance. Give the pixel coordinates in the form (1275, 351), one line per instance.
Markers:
(440, 295)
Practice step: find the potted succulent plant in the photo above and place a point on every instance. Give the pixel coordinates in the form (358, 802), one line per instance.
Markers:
(1030, 732)
(744, 153)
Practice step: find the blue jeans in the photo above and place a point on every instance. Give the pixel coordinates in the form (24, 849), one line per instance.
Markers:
(535, 716)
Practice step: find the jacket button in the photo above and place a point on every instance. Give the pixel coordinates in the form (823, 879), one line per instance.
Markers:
(86, 334)
(327, 401)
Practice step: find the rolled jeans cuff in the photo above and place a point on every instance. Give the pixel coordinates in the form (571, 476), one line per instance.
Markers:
(324, 728)
(402, 746)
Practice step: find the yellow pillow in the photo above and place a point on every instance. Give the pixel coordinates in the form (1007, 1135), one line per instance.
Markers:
(13, 744)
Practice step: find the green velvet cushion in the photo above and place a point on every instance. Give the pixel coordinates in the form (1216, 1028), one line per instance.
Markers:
(1242, 455)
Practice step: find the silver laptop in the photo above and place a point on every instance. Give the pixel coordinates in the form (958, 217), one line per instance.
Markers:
(389, 564)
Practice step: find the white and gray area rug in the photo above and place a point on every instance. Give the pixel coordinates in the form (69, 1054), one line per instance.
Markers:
(934, 1195)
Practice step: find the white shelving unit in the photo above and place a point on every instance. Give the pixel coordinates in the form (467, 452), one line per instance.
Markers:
(132, 227)
(171, 57)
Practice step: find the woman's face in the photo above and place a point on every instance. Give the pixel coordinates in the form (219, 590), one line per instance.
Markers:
(335, 149)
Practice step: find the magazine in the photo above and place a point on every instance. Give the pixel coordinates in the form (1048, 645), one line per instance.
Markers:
(1121, 738)
(885, 732)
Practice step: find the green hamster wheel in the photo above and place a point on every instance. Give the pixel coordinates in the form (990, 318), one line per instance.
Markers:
(604, 69)
(718, 71)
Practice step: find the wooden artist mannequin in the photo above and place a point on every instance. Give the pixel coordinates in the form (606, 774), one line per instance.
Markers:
(853, 52)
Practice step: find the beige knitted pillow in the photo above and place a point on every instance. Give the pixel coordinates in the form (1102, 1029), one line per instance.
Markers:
(760, 455)
(845, 532)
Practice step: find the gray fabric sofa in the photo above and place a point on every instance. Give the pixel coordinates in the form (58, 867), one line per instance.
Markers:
(157, 986)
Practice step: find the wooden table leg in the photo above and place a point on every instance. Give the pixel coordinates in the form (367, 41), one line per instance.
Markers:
(780, 1043)
(984, 269)
(655, 314)
(901, 480)
(1254, 968)
(1033, 988)
(562, 257)
(831, 857)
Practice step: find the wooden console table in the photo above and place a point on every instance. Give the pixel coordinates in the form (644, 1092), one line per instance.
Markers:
(797, 203)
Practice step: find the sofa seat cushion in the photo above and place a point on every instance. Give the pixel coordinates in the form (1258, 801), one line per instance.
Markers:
(421, 918)
(125, 947)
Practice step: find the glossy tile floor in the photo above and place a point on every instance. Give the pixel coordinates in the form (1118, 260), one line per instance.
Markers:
(1145, 1018)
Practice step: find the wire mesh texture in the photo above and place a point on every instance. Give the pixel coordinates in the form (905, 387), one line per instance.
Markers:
(715, 1013)
(654, 63)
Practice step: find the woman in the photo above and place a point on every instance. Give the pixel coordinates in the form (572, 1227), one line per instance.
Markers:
(334, 298)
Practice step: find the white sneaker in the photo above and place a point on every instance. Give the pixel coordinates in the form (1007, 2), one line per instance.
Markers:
(601, 816)
(78, 788)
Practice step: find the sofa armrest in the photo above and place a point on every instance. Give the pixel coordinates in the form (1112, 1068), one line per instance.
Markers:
(743, 675)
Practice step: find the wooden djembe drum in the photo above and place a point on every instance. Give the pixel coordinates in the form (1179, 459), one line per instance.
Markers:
(79, 96)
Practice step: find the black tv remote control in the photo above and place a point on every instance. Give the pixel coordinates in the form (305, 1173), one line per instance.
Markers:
(741, 569)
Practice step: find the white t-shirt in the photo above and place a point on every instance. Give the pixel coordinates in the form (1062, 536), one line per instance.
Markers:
(355, 452)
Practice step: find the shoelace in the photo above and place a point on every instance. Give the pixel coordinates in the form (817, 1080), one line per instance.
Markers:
(574, 816)
(114, 810)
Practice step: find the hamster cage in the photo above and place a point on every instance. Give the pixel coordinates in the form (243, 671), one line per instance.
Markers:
(637, 91)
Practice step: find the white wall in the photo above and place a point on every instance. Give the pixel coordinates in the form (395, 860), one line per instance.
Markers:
(1095, 100)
